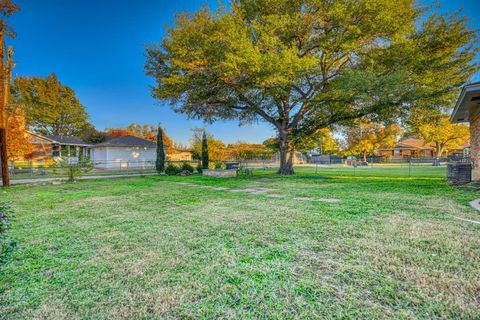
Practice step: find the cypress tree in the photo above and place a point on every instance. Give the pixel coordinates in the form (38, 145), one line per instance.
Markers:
(204, 151)
(160, 163)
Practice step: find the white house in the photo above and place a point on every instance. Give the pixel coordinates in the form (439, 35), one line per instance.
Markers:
(124, 152)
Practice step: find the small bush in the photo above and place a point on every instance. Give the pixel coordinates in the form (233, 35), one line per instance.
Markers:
(73, 170)
(220, 166)
(199, 168)
(187, 167)
(217, 165)
(7, 244)
(172, 169)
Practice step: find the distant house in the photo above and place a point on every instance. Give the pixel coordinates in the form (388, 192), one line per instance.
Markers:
(42, 152)
(124, 152)
(180, 155)
(298, 158)
(47, 148)
(408, 147)
(68, 146)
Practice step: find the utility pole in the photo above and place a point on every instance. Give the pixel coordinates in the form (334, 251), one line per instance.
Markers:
(7, 8)
(5, 79)
(3, 112)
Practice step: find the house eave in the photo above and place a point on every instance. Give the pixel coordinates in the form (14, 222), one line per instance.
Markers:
(464, 106)
(53, 141)
(121, 146)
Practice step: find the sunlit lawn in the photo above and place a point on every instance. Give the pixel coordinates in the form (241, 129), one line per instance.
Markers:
(152, 248)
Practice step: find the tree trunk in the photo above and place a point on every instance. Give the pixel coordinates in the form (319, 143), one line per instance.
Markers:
(287, 153)
(439, 149)
(364, 157)
(438, 153)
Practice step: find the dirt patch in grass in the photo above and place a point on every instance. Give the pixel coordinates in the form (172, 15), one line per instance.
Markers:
(329, 200)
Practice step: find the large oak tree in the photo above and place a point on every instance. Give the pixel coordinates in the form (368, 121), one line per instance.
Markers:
(304, 65)
(436, 128)
(50, 107)
(366, 137)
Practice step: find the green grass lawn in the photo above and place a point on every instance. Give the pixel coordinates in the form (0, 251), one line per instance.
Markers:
(149, 247)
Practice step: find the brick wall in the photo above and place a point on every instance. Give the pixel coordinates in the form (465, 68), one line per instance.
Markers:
(42, 153)
(475, 146)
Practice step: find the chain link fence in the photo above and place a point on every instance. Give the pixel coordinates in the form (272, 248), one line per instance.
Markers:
(412, 167)
(28, 170)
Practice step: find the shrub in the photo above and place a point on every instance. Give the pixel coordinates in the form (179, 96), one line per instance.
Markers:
(205, 159)
(172, 169)
(160, 162)
(199, 168)
(219, 166)
(73, 170)
(7, 245)
(187, 167)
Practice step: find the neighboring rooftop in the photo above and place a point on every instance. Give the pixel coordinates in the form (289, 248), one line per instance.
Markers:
(413, 143)
(67, 140)
(127, 141)
(409, 143)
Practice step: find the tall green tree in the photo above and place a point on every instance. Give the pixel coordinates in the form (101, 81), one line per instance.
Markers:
(436, 128)
(216, 147)
(366, 137)
(303, 65)
(50, 107)
(160, 162)
(204, 150)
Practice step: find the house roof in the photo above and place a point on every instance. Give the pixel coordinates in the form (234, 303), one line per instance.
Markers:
(410, 143)
(61, 140)
(67, 140)
(468, 103)
(127, 141)
(413, 143)
(36, 138)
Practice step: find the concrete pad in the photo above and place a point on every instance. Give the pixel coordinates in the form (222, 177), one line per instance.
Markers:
(236, 190)
(475, 204)
(258, 192)
(329, 200)
(275, 195)
(302, 198)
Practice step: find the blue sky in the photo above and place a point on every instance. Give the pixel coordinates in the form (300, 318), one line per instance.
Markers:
(97, 47)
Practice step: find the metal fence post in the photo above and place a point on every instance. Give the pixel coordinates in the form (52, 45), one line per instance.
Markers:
(409, 167)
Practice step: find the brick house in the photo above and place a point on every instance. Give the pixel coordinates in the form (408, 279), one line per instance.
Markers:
(406, 148)
(467, 109)
(47, 148)
(42, 149)
(180, 155)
